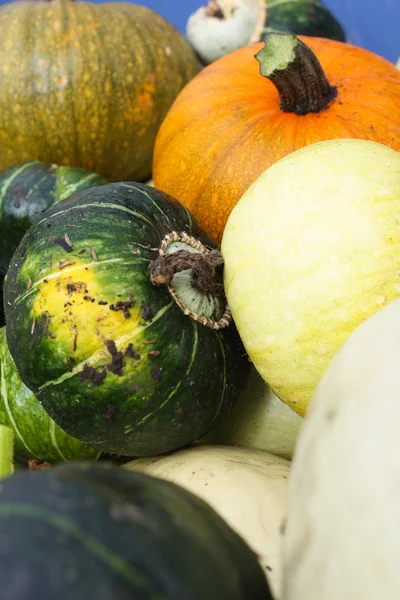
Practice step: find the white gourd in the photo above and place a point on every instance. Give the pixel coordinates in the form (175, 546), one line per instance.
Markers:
(342, 538)
(223, 26)
(246, 487)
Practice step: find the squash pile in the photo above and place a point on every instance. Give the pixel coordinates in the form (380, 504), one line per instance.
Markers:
(199, 318)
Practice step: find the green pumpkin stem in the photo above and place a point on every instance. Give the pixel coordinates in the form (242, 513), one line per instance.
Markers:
(296, 73)
(6, 451)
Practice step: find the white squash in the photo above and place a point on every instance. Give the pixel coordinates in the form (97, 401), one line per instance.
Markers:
(342, 538)
(222, 26)
(259, 420)
(246, 487)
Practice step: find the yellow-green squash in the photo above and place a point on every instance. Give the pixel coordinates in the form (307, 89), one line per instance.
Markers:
(311, 250)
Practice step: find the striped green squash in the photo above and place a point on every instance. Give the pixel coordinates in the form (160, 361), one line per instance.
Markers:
(303, 17)
(2, 316)
(36, 436)
(113, 358)
(28, 189)
(94, 531)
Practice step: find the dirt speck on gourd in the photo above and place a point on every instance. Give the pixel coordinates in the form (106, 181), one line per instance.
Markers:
(130, 351)
(94, 376)
(147, 314)
(116, 365)
(124, 306)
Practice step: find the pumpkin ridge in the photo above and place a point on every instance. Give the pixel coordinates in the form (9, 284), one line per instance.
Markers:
(107, 60)
(52, 431)
(70, 24)
(214, 205)
(4, 396)
(100, 205)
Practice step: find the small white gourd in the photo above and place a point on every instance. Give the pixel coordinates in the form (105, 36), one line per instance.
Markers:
(223, 26)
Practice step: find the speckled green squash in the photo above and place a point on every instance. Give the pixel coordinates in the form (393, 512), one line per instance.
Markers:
(303, 17)
(88, 531)
(36, 436)
(2, 316)
(87, 84)
(113, 359)
(30, 188)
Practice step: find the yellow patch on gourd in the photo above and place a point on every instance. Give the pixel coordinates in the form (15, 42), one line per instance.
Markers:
(71, 299)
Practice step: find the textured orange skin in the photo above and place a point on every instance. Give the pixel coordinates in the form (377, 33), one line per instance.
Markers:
(87, 85)
(225, 127)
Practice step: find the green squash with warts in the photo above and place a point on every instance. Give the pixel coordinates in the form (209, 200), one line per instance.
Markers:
(36, 436)
(28, 189)
(113, 358)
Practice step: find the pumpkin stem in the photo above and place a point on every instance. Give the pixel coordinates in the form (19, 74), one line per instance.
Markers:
(6, 451)
(296, 73)
(206, 270)
(181, 253)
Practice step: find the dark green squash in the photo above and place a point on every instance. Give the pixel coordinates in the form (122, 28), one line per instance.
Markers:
(97, 532)
(303, 17)
(87, 84)
(112, 357)
(27, 190)
(36, 436)
(2, 316)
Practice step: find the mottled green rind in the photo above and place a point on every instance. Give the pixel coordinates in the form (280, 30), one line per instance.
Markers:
(99, 532)
(2, 315)
(203, 372)
(28, 189)
(303, 17)
(35, 433)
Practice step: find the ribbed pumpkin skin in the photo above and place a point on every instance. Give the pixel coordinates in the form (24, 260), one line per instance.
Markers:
(305, 17)
(27, 190)
(226, 127)
(168, 379)
(82, 531)
(87, 84)
(35, 433)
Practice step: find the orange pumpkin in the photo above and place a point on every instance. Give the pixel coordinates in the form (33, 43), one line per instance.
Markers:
(230, 122)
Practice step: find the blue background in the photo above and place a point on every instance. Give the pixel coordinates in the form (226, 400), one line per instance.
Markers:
(373, 24)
